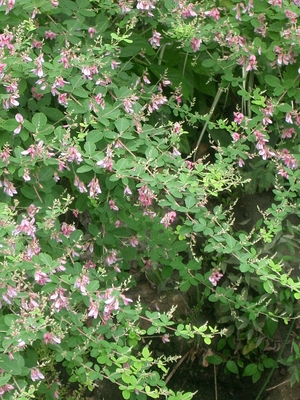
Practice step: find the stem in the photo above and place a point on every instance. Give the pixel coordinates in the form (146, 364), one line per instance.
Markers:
(184, 65)
(161, 53)
(216, 384)
(250, 87)
(211, 111)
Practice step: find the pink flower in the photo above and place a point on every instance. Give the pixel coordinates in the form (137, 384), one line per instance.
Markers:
(275, 3)
(168, 218)
(5, 388)
(50, 338)
(291, 16)
(126, 300)
(50, 35)
(32, 249)
(288, 159)
(89, 71)
(155, 39)
(283, 173)
(59, 299)
(107, 162)
(80, 185)
(176, 152)
(215, 277)
(41, 278)
(252, 64)
(19, 118)
(8, 187)
(128, 102)
(9, 6)
(63, 99)
(21, 344)
(189, 164)
(26, 226)
(133, 241)
(214, 13)
(241, 162)
(111, 257)
(238, 117)
(93, 309)
(113, 206)
(115, 64)
(11, 293)
(67, 229)
(72, 155)
(127, 191)
(146, 196)
(36, 374)
(81, 283)
(156, 102)
(195, 44)
(236, 136)
(188, 11)
(94, 187)
(92, 32)
(165, 338)
(146, 79)
(146, 5)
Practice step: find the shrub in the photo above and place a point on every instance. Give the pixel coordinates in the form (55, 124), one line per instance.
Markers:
(101, 103)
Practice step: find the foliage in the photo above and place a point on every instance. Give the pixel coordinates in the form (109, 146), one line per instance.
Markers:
(101, 106)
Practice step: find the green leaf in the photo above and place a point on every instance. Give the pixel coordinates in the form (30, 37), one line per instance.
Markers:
(244, 268)
(83, 169)
(46, 174)
(250, 370)
(232, 367)
(272, 80)
(93, 286)
(10, 125)
(270, 363)
(200, 226)
(122, 124)
(268, 286)
(94, 136)
(46, 259)
(10, 318)
(89, 147)
(80, 92)
(52, 113)
(126, 378)
(14, 366)
(4, 379)
(215, 359)
(208, 63)
(145, 352)
(270, 327)
(28, 192)
(39, 119)
(126, 394)
(190, 201)
(151, 153)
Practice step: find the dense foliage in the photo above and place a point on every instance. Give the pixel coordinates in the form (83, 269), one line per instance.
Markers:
(106, 110)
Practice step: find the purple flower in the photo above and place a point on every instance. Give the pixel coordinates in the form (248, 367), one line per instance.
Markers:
(36, 374)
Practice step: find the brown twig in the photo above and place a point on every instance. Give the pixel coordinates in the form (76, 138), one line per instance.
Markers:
(275, 387)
